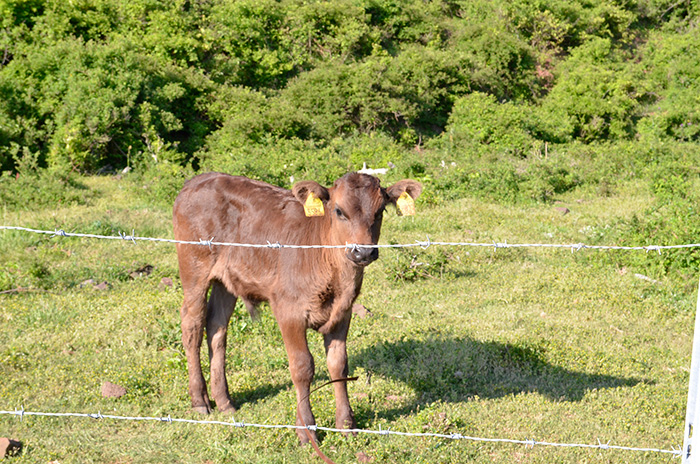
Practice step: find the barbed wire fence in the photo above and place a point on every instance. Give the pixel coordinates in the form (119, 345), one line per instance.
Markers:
(574, 247)
(21, 413)
(418, 243)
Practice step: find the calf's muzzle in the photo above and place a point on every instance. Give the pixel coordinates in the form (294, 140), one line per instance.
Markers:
(362, 256)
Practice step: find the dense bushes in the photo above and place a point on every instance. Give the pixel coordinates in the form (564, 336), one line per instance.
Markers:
(30, 187)
(512, 101)
(671, 64)
(92, 104)
(98, 82)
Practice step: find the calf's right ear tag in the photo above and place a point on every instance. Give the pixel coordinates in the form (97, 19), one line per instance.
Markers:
(405, 205)
(313, 206)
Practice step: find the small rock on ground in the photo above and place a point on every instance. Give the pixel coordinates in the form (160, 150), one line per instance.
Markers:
(360, 311)
(111, 390)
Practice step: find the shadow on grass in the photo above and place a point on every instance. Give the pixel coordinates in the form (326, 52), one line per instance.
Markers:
(455, 369)
(253, 395)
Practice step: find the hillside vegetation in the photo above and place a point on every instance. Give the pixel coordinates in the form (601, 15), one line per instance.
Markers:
(506, 101)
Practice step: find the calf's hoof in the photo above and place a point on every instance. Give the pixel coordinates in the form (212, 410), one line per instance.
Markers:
(347, 423)
(204, 410)
(306, 436)
(226, 407)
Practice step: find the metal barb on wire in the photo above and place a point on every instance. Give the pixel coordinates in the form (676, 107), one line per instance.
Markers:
(652, 248)
(131, 237)
(577, 247)
(207, 242)
(424, 245)
(497, 245)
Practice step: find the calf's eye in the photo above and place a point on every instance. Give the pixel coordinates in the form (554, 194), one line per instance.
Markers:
(339, 213)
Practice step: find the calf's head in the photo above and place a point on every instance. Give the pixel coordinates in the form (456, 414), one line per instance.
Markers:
(353, 210)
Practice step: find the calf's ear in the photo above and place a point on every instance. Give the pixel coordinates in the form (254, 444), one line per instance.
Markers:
(312, 195)
(402, 194)
(409, 186)
(302, 189)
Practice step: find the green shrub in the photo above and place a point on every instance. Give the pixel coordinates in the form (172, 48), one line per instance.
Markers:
(543, 180)
(337, 99)
(595, 93)
(285, 161)
(409, 92)
(428, 81)
(328, 30)
(671, 63)
(664, 223)
(478, 120)
(31, 188)
(97, 103)
(245, 115)
(559, 25)
(159, 181)
(246, 44)
(498, 59)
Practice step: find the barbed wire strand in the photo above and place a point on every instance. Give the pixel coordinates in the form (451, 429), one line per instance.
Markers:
(22, 413)
(418, 243)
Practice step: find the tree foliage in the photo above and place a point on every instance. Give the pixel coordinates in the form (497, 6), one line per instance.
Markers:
(94, 83)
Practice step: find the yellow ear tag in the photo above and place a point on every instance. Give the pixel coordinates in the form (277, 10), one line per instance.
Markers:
(405, 205)
(313, 206)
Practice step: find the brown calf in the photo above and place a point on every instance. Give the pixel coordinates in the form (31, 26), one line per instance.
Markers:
(306, 288)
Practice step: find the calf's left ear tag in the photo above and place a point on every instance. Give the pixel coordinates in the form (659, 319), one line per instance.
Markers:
(313, 206)
(405, 205)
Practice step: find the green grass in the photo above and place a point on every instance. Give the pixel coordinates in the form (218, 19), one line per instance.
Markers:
(514, 343)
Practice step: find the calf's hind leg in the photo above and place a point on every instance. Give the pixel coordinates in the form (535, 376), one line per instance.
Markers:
(220, 307)
(193, 316)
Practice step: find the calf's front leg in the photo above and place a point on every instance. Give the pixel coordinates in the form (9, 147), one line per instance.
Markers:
(337, 360)
(301, 367)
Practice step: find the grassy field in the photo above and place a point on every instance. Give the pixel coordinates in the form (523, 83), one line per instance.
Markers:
(530, 343)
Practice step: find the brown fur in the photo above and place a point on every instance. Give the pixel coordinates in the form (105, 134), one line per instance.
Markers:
(305, 288)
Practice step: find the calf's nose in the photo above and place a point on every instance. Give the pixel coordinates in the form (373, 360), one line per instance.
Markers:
(363, 256)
